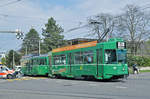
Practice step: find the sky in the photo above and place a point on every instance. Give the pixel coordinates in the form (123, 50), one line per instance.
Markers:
(25, 14)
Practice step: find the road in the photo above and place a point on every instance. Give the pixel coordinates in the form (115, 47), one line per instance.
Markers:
(136, 87)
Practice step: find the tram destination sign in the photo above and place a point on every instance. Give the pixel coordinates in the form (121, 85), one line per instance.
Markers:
(121, 45)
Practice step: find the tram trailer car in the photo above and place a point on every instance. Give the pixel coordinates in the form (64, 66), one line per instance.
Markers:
(35, 66)
(105, 60)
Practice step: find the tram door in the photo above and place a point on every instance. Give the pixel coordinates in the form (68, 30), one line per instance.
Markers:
(50, 65)
(70, 67)
(30, 67)
(100, 54)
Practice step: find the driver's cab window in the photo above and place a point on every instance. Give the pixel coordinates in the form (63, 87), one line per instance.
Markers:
(110, 57)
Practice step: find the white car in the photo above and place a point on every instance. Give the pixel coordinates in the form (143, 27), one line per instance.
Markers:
(5, 72)
(18, 68)
(18, 72)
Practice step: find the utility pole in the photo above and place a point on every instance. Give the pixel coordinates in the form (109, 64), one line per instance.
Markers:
(13, 60)
(19, 35)
(26, 50)
(39, 47)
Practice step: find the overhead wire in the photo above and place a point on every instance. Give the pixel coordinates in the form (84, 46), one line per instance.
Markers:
(76, 28)
(80, 34)
(9, 3)
(6, 15)
(29, 17)
(147, 6)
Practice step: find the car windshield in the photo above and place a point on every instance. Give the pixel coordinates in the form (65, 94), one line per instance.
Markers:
(3, 68)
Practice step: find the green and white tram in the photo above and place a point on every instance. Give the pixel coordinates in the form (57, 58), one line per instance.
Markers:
(105, 60)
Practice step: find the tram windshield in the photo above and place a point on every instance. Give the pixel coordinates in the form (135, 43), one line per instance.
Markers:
(121, 56)
(110, 57)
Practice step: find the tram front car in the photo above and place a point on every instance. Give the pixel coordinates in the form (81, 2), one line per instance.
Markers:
(115, 59)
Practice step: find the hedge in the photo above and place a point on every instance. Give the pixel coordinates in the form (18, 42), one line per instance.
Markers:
(142, 61)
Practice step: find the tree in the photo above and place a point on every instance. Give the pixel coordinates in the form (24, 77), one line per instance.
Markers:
(101, 23)
(3, 60)
(52, 36)
(9, 58)
(133, 25)
(145, 48)
(31, 42)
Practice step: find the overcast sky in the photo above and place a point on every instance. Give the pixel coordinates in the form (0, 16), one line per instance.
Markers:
(68, 13)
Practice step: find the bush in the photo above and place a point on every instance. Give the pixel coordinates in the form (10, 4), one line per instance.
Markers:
(140, 60)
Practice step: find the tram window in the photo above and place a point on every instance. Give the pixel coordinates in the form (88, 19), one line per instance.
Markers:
(45, 61)
(63, 59)
(34, 62)
(38, 61)
(59, 60)
(56, 60)
(71, 58)
(31, 62)
(78, 58)
(121, 55)
(110, 56)
(42, 61)
(88, 57)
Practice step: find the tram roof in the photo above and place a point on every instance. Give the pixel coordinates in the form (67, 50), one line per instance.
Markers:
(84, 45)
(72, 47)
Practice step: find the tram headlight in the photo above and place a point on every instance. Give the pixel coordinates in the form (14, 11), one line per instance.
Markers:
(123, 69)
(114, 68)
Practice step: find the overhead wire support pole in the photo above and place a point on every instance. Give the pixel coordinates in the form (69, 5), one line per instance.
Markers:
(39, 47)
(26, 50)
(13, 60)
(18, 33)
(8, 32)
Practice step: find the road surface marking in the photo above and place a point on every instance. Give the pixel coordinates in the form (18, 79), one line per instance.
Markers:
(121, 87)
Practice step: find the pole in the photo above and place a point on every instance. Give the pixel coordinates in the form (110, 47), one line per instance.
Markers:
(26, 50)
(13, 60)
(39, 47)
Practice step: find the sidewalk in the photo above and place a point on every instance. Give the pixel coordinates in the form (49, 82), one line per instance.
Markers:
(144, 68)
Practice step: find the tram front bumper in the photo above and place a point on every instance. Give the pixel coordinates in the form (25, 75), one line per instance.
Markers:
(116, 70)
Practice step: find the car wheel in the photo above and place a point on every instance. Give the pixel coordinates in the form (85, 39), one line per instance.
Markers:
(9, 76)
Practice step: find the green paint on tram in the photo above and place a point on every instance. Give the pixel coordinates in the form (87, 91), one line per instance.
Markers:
(103, 60)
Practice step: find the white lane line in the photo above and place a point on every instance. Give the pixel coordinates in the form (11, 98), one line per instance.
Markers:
(59, 81)
(92, 84)
(121, 87)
